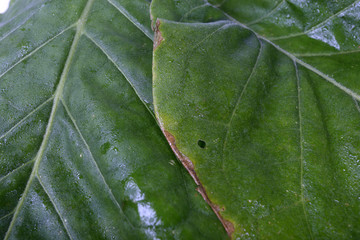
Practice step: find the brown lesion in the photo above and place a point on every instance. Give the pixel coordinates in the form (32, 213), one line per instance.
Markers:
(158, 37)
(229, 227)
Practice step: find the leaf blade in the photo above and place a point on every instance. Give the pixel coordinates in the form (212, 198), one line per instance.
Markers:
(99, 168)
(270, 152)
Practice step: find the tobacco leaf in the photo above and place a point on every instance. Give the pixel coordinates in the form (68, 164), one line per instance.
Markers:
(262, 100)
(81, 155)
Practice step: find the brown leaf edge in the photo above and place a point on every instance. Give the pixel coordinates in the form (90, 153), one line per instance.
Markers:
(229, 227)
(158, 37)
(186, 162)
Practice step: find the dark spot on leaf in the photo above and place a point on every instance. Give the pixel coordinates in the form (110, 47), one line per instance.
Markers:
(105, 147)
(202, 143)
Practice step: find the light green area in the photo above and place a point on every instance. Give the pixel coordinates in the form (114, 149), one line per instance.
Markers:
(81, 155)
(272, 88)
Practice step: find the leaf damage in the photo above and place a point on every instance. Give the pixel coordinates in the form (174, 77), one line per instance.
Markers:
(158, 36)
(229, 227)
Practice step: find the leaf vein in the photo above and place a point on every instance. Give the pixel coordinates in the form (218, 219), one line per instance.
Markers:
(211, 34)
(111, 195)
(240, 96)
(54, 205)
(301, 141)
(121, 71)
(233, 113)
(357, 104)
(322, 23)
(6, 215)
(132, 19)
(22, 23)
(193, 9)
(26, 117)
(294, 58)
(325, 54)
(313, 69)
(58, 93)
(35, 50)
(16, 169)
(268, 14)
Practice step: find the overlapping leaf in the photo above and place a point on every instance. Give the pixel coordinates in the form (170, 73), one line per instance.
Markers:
(81, 156)
(262, 97)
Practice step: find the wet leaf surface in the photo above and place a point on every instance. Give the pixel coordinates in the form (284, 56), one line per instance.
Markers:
(81, 155)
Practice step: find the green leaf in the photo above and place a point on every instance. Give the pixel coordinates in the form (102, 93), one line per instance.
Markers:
(263, 98)
(81, 155)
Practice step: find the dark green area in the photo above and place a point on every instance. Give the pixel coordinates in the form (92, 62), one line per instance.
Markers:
(81, 155)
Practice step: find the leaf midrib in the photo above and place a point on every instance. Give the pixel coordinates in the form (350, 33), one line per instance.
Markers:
(58, 94)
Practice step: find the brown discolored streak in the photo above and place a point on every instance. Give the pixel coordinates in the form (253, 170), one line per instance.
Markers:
(158, 37)
(229, 227)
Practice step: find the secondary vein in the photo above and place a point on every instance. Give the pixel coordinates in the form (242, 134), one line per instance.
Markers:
(35, 50)
(56, 209)
(322, 23)
(131, 19)
(121, 71)
(111, 195)
(301, 141)
(26, 117)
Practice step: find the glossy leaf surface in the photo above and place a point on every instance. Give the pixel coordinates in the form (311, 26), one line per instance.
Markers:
(81, 155)
(263, 97)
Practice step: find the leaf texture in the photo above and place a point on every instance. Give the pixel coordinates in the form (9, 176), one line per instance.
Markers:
(81, 155)
(263, 98)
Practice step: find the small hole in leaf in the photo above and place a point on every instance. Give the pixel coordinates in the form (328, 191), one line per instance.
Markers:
(202, 144)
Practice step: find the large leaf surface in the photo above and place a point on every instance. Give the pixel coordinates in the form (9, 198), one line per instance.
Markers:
(81, 156)
(262, 97)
